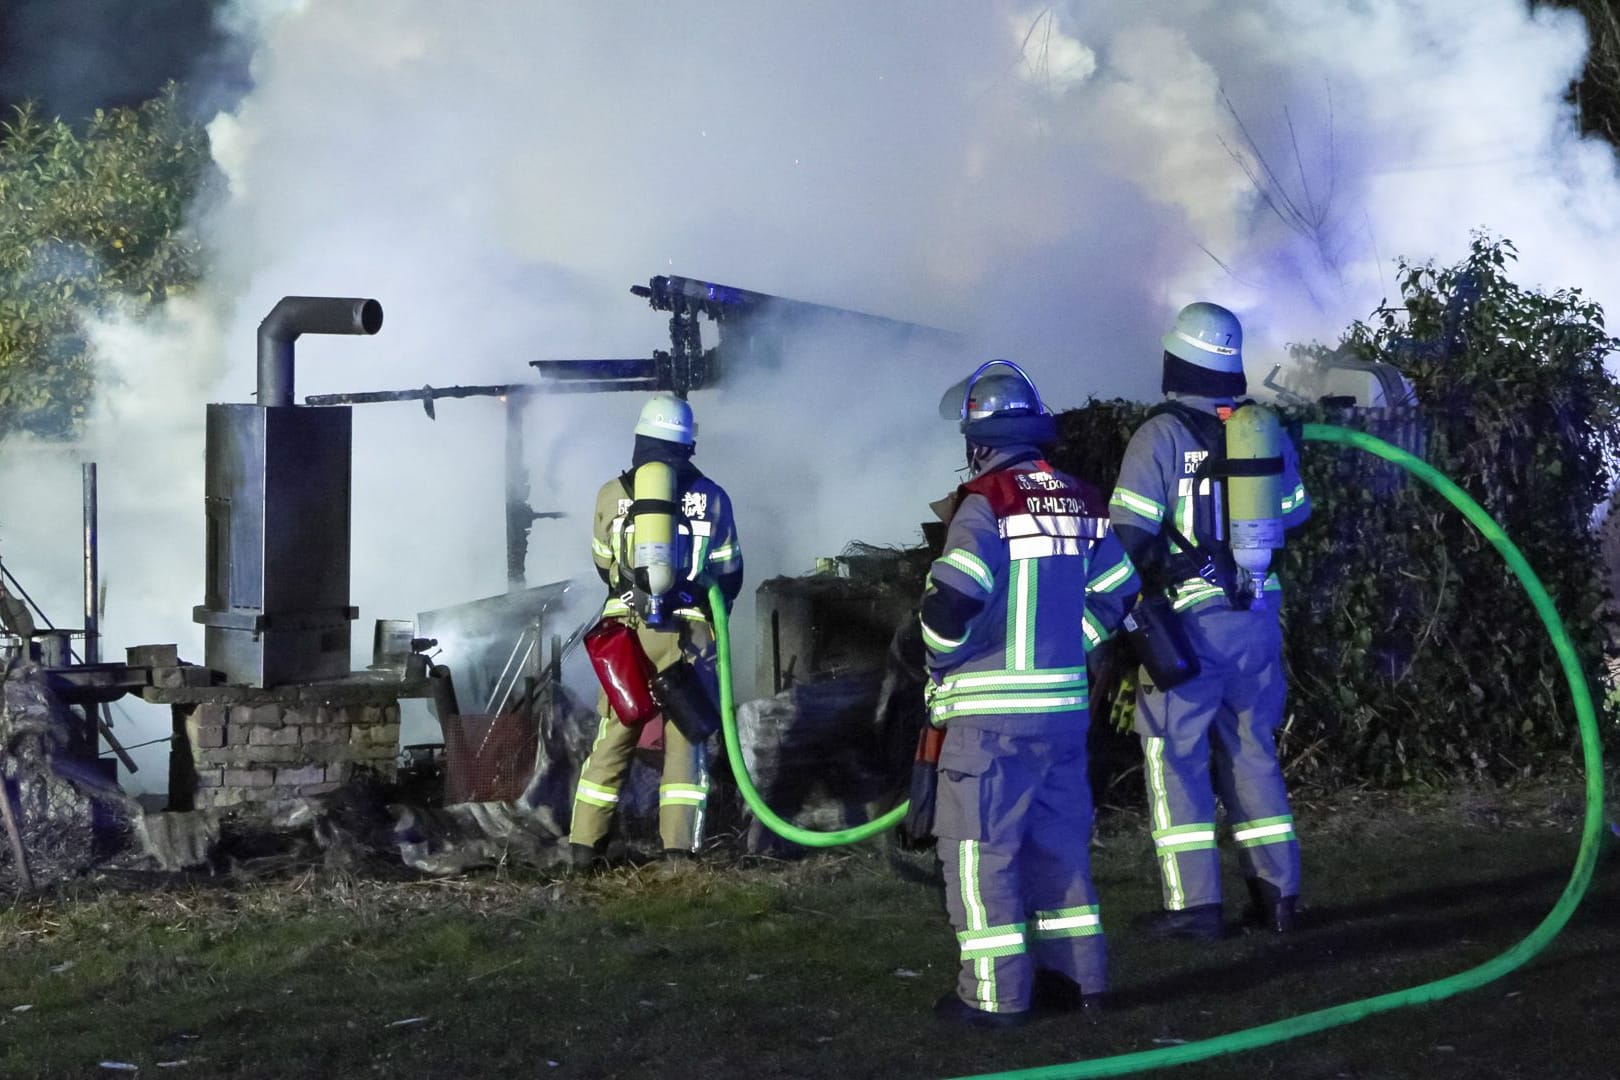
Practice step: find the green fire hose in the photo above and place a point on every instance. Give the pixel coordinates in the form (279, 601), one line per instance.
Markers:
(1321, 1019)
(745, 783)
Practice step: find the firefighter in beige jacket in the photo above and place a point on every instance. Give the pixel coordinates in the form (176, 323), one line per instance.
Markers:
(705, 547)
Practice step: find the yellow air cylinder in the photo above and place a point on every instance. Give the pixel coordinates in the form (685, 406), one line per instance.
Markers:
(1254, 486)
(653, 517)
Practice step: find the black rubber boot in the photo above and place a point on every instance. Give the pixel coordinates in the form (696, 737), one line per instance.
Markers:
(1269, 908)
(953, 1010)
(1055, 992)
(1202, 921)
(585, 859)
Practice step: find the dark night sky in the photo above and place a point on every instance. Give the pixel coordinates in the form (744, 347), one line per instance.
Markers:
(74, 56)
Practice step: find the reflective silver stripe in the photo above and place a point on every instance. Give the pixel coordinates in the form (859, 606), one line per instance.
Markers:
(1218, 350)
(1196, 836)
(1008, 680)
(1040, 525)
(1017, 704)
(1264, 830)
(1042, 547)
(1052, 525)
(1067, 923)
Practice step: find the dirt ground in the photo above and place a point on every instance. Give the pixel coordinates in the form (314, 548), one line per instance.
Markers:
(812, 967)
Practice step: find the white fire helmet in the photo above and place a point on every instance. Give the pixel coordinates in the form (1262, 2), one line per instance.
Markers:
(668, 417)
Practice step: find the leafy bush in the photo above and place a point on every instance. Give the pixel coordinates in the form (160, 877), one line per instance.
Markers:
(86, 222)
(1413, 654)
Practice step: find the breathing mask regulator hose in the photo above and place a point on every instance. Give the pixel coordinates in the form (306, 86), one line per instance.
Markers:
(1473, 978)
(745, 783)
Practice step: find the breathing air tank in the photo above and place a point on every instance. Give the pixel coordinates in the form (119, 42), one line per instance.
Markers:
(652, 514)
(1254, 487)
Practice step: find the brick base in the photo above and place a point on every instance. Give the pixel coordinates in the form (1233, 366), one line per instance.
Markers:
(248, 754)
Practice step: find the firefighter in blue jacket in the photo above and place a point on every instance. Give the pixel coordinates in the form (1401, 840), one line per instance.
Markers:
(1030, 579)
(1215, 735)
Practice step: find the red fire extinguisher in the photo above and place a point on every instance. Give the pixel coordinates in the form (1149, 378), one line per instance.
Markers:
(623, 670)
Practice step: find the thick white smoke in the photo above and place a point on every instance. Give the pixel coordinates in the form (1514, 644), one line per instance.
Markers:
(1052, 181)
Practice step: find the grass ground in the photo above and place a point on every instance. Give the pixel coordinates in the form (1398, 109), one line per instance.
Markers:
(823, 967)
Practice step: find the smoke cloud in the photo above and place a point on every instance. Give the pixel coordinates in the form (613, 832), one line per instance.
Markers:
(1050, 181)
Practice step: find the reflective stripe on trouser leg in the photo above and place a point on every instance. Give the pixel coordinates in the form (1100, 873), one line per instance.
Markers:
(995, 972)
(1248, 777)
(1065, 922)
(1189, 862)
(683, 794)
(597, 795)
(1180, 797)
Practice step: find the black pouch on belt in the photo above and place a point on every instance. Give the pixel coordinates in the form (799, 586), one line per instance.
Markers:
(686, 704)
(1160, 642)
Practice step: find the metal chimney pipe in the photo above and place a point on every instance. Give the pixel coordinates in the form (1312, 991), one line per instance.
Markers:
(92, 575)
(295, 315)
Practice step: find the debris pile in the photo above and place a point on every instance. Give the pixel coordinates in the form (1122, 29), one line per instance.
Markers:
(62, 815)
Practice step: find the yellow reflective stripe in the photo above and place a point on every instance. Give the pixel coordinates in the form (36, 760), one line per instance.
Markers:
(1094, 633)
(596, 794)
(1159, 803)
(980, 681)
(1137, 504)
(992, 942)
(1113, 578)
(682, 793)
(944, 710)
(700, 556)
(1188, 594)
(971, 565)
(939, 643)
(1021, 600)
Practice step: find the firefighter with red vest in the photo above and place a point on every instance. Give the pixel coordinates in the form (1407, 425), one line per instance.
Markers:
(659, 596)
(1031, 578)
(1213, 736)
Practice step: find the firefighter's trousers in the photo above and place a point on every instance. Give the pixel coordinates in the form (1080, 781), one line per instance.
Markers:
(1215, 736)
(1014, 823)
(683, 792)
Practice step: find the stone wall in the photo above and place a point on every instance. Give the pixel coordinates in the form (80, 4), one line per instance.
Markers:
(261, 749)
